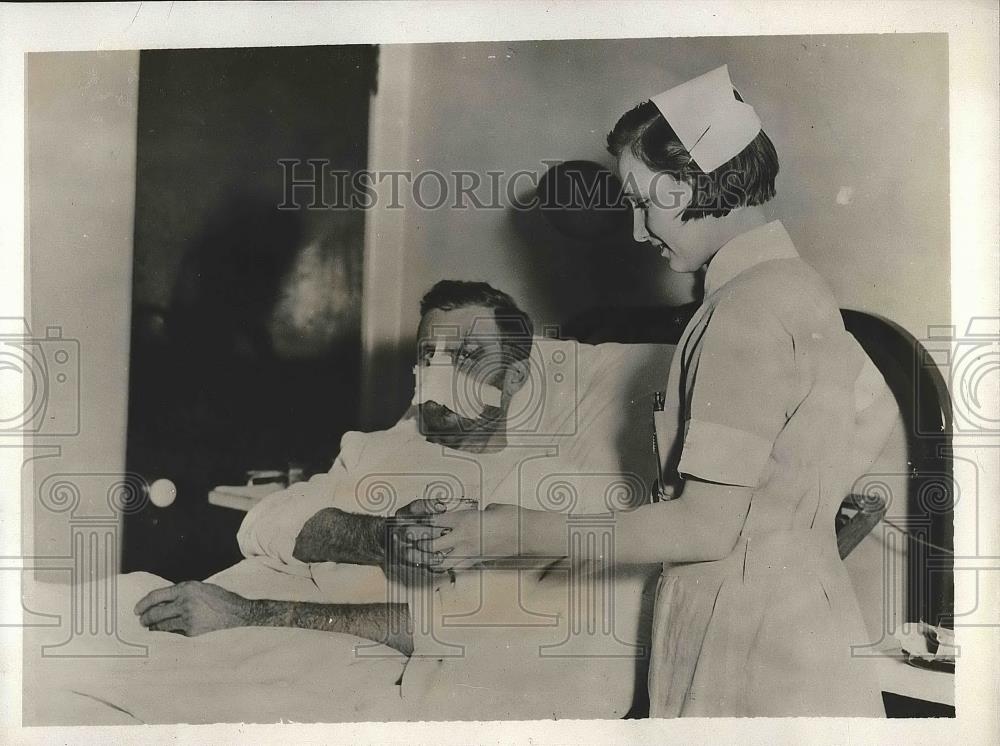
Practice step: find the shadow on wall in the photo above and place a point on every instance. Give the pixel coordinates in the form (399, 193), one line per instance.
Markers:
(577, 237)
(229, 280)
(214, 390)
(244, 352)
(246, 317)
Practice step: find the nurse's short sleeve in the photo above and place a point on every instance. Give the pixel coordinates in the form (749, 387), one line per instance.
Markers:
(738, 388)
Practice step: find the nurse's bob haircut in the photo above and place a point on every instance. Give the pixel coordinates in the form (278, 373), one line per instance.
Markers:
(514, 324)
(747, 179)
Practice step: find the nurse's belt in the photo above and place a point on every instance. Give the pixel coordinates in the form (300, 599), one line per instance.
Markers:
(711, 124)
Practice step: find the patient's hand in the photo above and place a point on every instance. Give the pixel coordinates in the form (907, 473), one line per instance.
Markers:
(192, 608)
(411, 526)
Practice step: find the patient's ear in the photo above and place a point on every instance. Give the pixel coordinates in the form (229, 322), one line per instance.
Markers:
(517, 374)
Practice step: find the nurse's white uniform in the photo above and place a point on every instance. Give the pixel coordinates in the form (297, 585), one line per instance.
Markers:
(763, 386)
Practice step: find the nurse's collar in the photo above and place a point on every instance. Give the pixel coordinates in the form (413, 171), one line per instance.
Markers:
(740, 253)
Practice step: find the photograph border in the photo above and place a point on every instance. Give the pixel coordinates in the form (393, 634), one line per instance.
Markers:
(975, 192)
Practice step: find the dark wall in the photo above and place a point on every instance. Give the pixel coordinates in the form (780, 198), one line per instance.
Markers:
(246, 317)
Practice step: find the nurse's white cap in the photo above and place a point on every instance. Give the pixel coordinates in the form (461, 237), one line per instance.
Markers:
(711, 124)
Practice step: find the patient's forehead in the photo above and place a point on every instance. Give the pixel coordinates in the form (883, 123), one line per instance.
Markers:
(468, 323)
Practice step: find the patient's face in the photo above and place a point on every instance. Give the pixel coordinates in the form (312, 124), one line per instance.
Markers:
(471, 338)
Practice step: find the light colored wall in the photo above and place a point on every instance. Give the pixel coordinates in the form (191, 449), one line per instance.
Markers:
(863, 117)
(80, 129)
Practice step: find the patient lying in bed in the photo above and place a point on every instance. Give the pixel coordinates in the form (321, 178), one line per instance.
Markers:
(492, 643)
(496, 642)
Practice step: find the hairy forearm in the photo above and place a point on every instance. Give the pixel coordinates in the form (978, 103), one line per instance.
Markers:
(702, 525)
(388, 624)
(334, 535)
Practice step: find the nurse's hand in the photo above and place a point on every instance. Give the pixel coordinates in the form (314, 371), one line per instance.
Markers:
(473, 537)
(410, 528)
(192, 608)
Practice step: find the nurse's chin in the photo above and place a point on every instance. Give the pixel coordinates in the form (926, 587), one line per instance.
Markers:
(678, 264)
(675, 263)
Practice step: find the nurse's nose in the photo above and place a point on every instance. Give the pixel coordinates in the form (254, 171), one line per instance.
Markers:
(639, 232)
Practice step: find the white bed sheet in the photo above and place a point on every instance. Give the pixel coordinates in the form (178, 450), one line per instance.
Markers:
(267, 675)
(249, 674)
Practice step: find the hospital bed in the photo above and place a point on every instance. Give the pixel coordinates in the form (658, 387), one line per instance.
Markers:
(267, 675)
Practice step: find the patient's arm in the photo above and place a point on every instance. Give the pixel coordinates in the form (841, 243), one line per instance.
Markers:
(388, 624)
(271, 528)
(194, 608)
(333, 535)
(300, 524)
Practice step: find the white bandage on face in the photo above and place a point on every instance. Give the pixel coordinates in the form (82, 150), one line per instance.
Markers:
(440, 382)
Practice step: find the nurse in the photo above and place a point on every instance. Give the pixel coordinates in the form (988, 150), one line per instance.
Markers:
(755, 613)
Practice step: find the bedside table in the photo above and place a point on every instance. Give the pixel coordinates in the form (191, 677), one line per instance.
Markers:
(242, 496)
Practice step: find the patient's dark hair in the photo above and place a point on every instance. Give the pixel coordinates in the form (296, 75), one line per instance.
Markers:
(747, 179)
(514, 324)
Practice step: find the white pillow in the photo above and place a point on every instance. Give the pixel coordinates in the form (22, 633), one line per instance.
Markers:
(594, 402)
(572, 386)
(604, 418)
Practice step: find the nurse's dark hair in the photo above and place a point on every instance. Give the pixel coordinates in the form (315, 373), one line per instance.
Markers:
(514, 324)
(747, 179)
